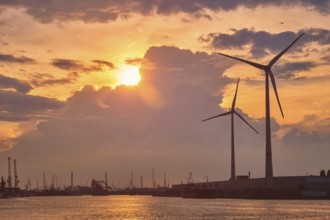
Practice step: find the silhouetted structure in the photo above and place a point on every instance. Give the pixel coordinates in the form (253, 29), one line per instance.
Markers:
(232, 112)
(44, 181)
(153, 184)
(28, 185)
(9, 180)
(322, 173)
(106, 179)
(15, 175)
(190, 179)
(71, 180)
(2, 184)
(131, 182)
(268, 74)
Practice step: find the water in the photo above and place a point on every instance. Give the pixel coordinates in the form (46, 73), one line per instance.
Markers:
(147, 207)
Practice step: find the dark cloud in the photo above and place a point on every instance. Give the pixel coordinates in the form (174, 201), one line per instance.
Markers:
(309, 134)
(134, 61)
(75, 65)
(104, 63)
(197, 15)
(45, 79)
(7, 58)
(304, 139)
(326, 56)
(16, 106)
(104, 10)
(68, 64)
(262, 43)
(12, 83)
(289, 70)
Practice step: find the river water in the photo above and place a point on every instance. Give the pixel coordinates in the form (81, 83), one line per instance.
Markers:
(147, 207)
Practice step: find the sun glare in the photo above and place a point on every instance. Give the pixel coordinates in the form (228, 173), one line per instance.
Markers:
(129, 76)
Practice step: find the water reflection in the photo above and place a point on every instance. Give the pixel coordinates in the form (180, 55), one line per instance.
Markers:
(146, 207)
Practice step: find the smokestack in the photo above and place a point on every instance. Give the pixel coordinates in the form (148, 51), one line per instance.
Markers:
(53, 182)
(9, 174)
(71, 180)
(153, 178)
(44, 181)
(15, 175)
(106, 179)
(132, 184)
(164, 180)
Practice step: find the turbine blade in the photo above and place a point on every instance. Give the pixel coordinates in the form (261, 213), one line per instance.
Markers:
(278, 56)
(257, 65)
(241, 117)
(223, 114)
(275, 90)
(234, 100)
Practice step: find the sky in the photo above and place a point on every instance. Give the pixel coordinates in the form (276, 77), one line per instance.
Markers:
(122, 86)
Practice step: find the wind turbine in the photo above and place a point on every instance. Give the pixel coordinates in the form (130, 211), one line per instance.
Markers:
(232, 112)
(268, 73)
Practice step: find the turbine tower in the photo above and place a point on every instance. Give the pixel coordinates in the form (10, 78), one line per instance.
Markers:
(268, 74)
(232, 112)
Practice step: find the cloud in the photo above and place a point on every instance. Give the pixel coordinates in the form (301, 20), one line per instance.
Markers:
(169, 7)
(110, 126)
(103, 11)
(45, 79)
(134, 61)
(263, 43)
(7, 58)
(169, 67)
(308, 143)
(6, 144)
(104, 63)
(74, 65)
(289, 70)
(16, 106)
(12, 83)
(303, 139)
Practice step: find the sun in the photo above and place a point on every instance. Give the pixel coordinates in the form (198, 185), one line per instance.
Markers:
(129, 76)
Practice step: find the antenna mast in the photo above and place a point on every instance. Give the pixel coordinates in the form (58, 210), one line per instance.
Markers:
(15, 175)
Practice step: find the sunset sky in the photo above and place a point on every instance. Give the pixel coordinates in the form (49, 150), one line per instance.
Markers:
(120, 86)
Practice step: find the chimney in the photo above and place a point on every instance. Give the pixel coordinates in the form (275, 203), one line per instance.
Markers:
(44, 181)
(71, 180)
(9, 181)
(106, 179)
